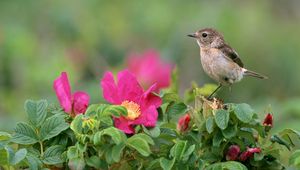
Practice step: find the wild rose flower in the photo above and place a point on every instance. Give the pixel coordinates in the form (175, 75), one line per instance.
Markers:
(73, 104)
(249, 153)
(233, 153)
(150, 69)
(183, 123)
(126, 91)
(268, 121)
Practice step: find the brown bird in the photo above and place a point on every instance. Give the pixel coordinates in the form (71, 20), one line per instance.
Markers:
(219, 60)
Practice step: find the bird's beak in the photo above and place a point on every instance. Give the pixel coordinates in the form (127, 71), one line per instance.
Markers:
(193, 35)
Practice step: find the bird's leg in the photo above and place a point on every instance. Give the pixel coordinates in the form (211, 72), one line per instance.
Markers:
(220, 85)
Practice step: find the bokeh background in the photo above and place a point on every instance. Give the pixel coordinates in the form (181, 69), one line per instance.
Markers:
(40, 39)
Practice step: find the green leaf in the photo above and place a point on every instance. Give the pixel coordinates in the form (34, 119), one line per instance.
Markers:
(52, 155)
(244, 112)
(139, 144)
(116, 135)
(233, 165)
(178, 149)
(114, 110)
(188, 152)
(230, 131)
(147, 138)
(295, 158)
(3, 157)
(15, 158)
(34, 162)
(36, 111)
(94, 162)
(117, 151)
(53, 126)
(77, 164)
(217, 139)
(170, 97)
(72, 153)
(281, 141)
(153, 132)
(166, 164)
(176, 108)
(91, 110)
(24, 135)
(222, 118)
(76, 124)
(210, 124)
(4, 136)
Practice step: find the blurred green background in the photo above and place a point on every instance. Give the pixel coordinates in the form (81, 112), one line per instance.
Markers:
(39, 39)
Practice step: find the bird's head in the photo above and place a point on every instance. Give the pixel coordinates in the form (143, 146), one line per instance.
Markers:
(208, 37)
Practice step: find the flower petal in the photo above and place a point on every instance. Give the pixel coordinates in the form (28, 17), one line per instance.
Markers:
(149, 98)
(110, 90)
(124, 125)
(80, 102)
(148, 117)
(63, 92)
(128, 87)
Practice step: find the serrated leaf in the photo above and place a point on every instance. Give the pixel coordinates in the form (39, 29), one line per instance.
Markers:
(188, 152)
(222, 118)
(15, 158)
(114, 110)
(178, 149)
(166, 164)
(24, 135)
(72, 153)
(4, 136)
(117, 151)
(217, 139)
(52, 155)
(209, 124)
(170, 97)
(153, 132)
(116, 135)
(147, 138)
(91, 110)
(244, 112)
(53, 126)
(176, 108)
(140, 145)
(94, 162)
(295, 158)
(233, 165)
(230, 131)
(76, 124)
(36, 111)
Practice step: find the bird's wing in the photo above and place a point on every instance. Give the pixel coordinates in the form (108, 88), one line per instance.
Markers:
(232, 54)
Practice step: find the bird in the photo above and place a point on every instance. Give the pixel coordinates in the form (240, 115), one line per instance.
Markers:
(220, 61)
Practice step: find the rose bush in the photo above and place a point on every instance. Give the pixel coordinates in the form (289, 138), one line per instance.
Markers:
(139, 128)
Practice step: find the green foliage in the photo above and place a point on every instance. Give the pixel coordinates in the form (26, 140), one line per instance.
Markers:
(92, 141)
(40, 143)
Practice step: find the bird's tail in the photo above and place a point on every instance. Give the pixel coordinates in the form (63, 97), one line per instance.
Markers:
(254, 74)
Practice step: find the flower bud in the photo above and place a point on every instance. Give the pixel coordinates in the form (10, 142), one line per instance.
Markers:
(183, 123)
(249, 153)
(268, 121)
(233, 153)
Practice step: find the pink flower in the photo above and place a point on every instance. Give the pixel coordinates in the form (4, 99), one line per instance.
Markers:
(249, 153)
(268, 121)
(233, 153)
(150, 69)
(183, 123)
(72, 104)
(126, 91)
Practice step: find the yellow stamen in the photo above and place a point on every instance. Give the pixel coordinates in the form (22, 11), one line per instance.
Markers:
(133, 109)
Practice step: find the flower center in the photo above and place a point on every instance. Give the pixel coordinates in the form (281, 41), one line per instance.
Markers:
(133, 109)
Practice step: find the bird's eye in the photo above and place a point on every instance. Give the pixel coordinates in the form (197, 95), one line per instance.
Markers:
(204, 34)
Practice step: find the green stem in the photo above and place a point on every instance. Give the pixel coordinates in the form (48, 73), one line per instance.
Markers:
(42, 148)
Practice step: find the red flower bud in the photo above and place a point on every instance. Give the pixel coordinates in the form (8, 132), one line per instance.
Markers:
(233, 153)
(268, 121)
(183, 123)
(249, 153)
